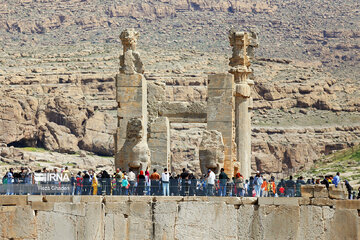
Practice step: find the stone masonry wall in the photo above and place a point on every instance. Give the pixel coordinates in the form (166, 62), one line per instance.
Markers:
(123, 217)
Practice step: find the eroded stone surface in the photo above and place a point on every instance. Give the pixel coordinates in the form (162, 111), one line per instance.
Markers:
(211, 151)
(119, 217)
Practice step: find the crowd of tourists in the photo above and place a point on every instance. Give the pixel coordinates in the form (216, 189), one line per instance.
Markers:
(122, 182)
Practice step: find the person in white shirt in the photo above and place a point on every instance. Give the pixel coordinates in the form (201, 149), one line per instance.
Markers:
(210, 183)
(131, 179)
(165, 176)
(147, 182)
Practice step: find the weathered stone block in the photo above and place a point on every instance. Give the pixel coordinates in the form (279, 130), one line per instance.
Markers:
(211, 151)
(146, 217)
(265, 201)
(348, 204)
(156, 91)
(140, 220)
(183, 109)
(129, 80)
(160, 125)
(121, 129)
(91, 226)
(271, 216)
(193, 216)
(249, 200)
(143, 199)
(246, 222)
(13, 200)
(117, 208)
(17, 222)
(328, 213)
(34, 198)
(161, 136)
(168, 199)
(234, 201)
(116, 226)
(76, 199)
(304, 201)
(220, 96)
(57, 226)
(344, 225)
(42, 206)
(165, 213)
(219, 113)
(77, 209)
(108, 199)
(322, 202)
(307, 191)
(243, 90)
(227, 200)
(291, 201)
(225, 127)
(93, 199)
(129, 94)
(221, 80)
(197, 198)
(159, 143)
(320, 191)
(131, 109)
(336, 193)
(57, 198)
(310, 227)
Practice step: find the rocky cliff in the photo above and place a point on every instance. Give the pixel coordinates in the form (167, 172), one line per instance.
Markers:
(59, 58)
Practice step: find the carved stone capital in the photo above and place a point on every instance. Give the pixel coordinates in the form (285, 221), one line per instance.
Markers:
(242, 90)
(239, 42)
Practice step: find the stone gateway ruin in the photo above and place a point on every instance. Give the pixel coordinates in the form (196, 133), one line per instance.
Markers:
(143, 137)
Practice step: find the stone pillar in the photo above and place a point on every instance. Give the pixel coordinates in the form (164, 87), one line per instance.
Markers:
(240, 64)
(221, 114)
(159, 143)
(131, 95)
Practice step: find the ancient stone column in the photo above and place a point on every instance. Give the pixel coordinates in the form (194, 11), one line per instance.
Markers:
(159, 143)
(240, 64)
(131, 148)
(221, 114)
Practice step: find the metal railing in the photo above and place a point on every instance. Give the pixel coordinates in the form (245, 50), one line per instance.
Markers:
(175, 187)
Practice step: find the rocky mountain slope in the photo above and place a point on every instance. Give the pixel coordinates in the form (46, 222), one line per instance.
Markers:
(346, 162)
(316, 30)
(59, 58)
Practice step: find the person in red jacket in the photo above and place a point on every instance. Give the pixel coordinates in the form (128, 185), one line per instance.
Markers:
(79, 183)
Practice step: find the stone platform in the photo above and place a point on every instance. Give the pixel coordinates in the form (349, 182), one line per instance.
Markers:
(143, 217)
